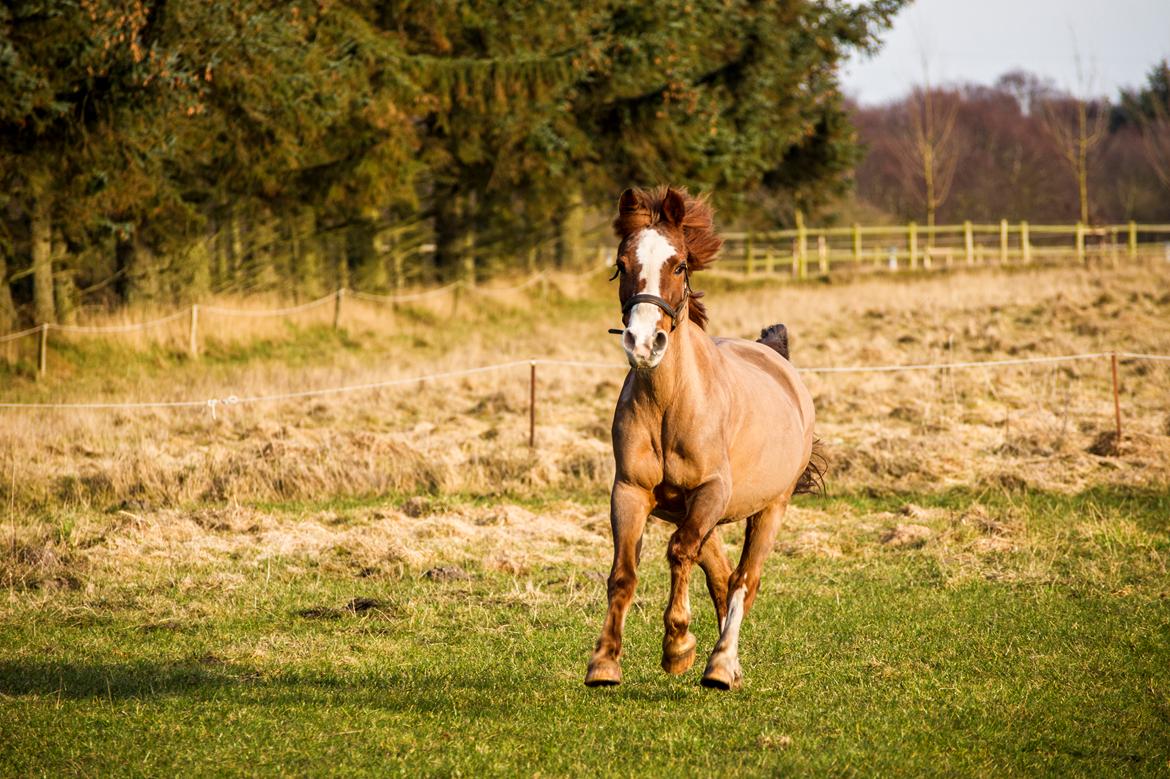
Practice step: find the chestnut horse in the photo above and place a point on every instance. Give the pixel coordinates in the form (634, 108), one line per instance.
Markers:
(707, 431)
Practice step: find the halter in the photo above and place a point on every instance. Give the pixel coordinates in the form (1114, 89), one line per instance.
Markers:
(670, 310)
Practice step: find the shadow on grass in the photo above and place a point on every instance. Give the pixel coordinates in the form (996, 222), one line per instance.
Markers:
(208, 678)
(1149, 506)
(112, 680)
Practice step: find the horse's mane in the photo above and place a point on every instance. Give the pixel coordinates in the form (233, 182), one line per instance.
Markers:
(697, 225)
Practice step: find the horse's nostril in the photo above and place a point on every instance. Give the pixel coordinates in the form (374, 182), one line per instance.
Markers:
(628, 340)
(659, 341)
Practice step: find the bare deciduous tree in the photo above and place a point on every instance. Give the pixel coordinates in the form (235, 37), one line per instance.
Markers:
(1155, 129)
(1077, 125)
(928, 149)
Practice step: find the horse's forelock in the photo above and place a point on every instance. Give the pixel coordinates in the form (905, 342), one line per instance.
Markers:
(639, 209)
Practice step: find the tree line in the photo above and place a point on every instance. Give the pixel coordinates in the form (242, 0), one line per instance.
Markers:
(1021, 149)
(156, 150)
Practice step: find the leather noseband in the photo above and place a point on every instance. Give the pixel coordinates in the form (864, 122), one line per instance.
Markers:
(670, 310)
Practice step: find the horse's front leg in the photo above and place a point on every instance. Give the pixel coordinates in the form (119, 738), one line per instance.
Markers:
(705, 509)
(629, 506)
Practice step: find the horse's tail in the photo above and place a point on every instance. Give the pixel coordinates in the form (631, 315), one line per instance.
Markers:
(775, 336)
(812, 481)
(813, 478)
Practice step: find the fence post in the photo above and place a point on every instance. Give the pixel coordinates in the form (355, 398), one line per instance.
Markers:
(1080, 242)
(337, 307)
(1132, 240)
(802, 244)
(532, 404)
(749, 256)
(823, 254)
(43, 351)
(1116, 397)
(969, 242)
(857, 244)
(912, 242)
(1025, 242)
(769, 259)
(1003, 242)
(193, 339)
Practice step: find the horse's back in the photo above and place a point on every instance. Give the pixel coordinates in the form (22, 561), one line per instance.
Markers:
(756, 366)
(771, 420)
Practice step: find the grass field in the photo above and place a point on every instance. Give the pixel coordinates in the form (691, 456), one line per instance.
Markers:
(391, 583)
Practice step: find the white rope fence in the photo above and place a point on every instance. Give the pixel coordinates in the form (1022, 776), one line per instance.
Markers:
(192, 314)
(234, 400)
(288, 310)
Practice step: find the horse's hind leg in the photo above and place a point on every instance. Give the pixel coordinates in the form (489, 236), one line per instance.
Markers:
(713, 560)
(723, 669)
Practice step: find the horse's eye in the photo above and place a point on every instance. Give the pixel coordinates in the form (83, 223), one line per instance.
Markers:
(681, 269)
(618, 270)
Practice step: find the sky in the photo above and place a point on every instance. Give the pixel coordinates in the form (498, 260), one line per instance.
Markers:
(1117, 42)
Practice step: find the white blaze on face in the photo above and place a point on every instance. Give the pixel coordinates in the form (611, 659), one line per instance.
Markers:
(652, 252)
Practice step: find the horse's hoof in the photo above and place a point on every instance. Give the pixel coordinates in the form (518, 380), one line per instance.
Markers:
(722, 674)
(603, 672)
(679, 658)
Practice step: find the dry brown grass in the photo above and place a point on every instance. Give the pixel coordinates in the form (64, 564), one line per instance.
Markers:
(906, 431)
(114, 487)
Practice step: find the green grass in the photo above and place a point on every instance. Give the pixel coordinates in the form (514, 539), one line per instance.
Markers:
(881, 661)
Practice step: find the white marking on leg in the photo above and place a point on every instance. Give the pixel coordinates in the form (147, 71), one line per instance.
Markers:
(729, 638)
(653, 252)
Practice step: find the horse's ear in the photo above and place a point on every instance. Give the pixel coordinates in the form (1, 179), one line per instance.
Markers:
(633, 213)
(630, 203)
(674, 207)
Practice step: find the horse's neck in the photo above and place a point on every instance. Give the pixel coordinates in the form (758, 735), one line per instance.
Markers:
(679, 381)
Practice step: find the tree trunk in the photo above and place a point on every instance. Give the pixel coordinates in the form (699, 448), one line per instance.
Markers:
(40, 229)
(198, 283)
(7, 308)
(468, 248)
(123, 263)
(1083, 163)
(137, 264)
(448, 233)
(261, 249)
(64, 288)
(307, 253)
(365, 260)
(570, 228)
(222, 268)
(337, 253)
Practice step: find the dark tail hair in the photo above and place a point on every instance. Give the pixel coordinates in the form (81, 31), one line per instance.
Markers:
(812, 481)
(775, 336)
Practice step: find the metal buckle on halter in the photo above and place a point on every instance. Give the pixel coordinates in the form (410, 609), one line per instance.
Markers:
(671, 311)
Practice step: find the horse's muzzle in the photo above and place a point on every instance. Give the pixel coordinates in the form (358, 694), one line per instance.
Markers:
(645, 352)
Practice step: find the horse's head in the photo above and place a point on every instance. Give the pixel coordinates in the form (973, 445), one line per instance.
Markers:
(665, 236)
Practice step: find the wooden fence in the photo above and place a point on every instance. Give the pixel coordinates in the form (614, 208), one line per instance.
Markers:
(821, 251)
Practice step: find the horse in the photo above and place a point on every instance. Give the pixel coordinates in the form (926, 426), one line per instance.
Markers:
(707, 431)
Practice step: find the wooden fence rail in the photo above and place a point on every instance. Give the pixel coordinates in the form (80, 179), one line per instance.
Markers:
(852, 249)
(804, 251)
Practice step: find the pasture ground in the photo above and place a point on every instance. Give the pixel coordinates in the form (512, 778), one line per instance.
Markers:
(392, 584)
